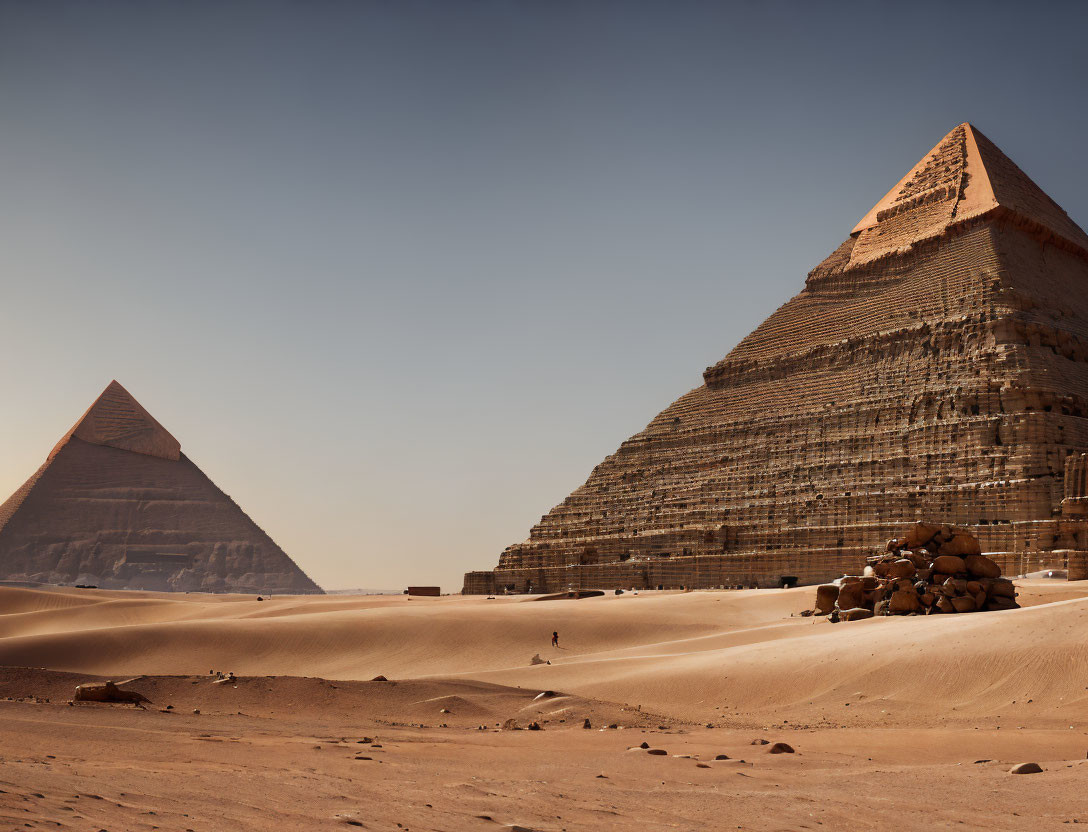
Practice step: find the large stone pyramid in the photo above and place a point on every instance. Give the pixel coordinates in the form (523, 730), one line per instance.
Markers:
(935, 366)
(118, 505)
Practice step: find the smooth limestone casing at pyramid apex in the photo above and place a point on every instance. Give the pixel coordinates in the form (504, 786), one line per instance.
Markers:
(118, 505)
(935, 366)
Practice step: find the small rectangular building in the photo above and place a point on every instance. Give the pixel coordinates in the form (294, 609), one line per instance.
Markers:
(425, 590)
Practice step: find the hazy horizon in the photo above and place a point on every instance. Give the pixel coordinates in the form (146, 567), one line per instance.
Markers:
(399, 275)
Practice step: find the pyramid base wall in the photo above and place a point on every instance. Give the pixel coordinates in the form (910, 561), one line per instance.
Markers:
(766, 569)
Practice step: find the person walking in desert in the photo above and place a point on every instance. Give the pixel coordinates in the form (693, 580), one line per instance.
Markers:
(555, 639)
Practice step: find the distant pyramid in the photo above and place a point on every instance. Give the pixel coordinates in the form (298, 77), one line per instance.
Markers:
(935, 366)
(117, 504)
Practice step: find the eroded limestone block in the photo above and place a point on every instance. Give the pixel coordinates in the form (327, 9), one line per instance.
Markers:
(981, 566)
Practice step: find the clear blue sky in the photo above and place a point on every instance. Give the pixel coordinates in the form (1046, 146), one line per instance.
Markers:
(399, 274)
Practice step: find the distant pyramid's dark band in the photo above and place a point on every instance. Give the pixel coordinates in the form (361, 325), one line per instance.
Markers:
(118, 505)
(935, 366)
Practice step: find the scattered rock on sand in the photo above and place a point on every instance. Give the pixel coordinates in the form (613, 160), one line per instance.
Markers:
(586, 723)
(657, 752)
(722, 757)
(535, 726)
(1026, 768)
(379, 679)
(856, 614)
(780, 748)
(511, 725)
(760, 741)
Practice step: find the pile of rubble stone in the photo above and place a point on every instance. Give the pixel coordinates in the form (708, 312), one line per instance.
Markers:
(933, 569)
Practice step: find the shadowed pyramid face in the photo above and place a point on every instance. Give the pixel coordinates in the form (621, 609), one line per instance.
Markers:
(117, 504)
(935, 366)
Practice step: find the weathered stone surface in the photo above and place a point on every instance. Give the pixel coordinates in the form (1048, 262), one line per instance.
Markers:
(902, 569)
(982, 567)
(107, 692)
(949, 565)
(117, 504)
(963, 603)
(856, 614)
(933, 366)
(962, 545)
(826, 596)
(851, 595)
(904, 602)
(1026, 768)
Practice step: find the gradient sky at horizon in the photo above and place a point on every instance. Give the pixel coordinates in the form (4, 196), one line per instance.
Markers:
(399, 274)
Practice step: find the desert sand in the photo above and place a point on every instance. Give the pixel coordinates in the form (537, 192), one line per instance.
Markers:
(900, 722)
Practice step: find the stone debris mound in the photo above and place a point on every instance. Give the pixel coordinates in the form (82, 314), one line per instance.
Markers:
(934, 568)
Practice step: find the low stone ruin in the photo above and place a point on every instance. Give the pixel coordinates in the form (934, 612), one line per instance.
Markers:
(933, 569)
(107, 692)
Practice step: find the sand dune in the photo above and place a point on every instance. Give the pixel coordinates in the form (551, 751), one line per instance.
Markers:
(911, 723)
(680, 653)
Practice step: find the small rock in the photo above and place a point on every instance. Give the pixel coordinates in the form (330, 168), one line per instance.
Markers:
(535, 726)
(657, 752)
(1026, 768)
(780, 748)
(856, 614)
(587, 724)
(760, 741)
(701, 765)
(379, 679)
(722, 757)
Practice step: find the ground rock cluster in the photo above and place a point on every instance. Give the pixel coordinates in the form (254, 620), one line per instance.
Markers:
(934, 568)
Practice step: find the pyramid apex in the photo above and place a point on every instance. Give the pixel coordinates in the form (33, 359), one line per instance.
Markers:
(963, 177)
(117, 420)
